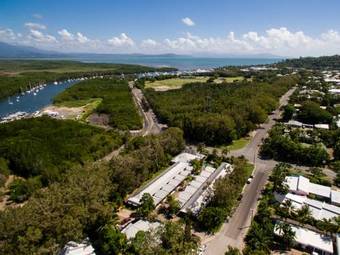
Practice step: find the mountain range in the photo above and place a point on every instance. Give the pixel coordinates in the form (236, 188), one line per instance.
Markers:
(8, 51)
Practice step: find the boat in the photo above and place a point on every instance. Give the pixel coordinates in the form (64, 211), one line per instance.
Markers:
(9, 101)
(55, 83)
(34, 93)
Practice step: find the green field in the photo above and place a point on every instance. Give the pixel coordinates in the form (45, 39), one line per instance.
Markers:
(238, 144)
(174, 83)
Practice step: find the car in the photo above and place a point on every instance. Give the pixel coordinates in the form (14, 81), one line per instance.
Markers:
(249, 180)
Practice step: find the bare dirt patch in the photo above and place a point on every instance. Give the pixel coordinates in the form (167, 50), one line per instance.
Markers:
(99, 119)
(64, 112)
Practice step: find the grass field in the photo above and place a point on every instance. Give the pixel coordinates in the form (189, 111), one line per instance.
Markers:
(174, 83)
(239, 144)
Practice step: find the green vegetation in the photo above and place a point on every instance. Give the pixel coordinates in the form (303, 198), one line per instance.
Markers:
(238, 144)
(332, 62)
(284, 147)
(215, 113)
(226, 192)
(115, 96)
(146, 207)
(17, 75)
(311, 113)
(143, 157)
(174, 83)
(83, 205)
(42, 149)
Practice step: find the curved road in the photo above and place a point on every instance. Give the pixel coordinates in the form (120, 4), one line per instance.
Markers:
(233, 232)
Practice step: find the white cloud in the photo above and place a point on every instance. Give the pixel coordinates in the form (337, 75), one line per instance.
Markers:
(121, 41)
(82, 38)
(40, 37)
(7, 34)
(149, 43)
(187, 21)
(278, 41)
(35, 26)
(66, 35)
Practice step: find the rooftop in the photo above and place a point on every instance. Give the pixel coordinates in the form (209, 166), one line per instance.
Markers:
(141, 225)
(73, 248)
(311, 238)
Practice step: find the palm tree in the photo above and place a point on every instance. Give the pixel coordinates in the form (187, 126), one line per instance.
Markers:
(287, 234)
(304, 214)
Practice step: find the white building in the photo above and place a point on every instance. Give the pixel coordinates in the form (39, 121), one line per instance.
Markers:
(73, 248)
(319, 210)
(320, 244)
(198, 192)
(160, 187)
(302, 186)
(141, 225)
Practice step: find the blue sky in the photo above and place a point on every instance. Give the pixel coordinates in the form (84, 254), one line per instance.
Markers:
(299, 27)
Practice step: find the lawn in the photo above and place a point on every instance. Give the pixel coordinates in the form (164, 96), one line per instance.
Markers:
(230, 79)
(174, 83)
(238, 144)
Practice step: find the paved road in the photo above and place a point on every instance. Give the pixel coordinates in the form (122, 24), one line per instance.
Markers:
(150, 125)
(233, 232)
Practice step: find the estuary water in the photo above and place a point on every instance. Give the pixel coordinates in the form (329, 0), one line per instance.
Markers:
(29, 102)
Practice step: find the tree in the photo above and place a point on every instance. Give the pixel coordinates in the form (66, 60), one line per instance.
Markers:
(110, 241)
(211, 218)
(311, 112)
(304, 214)
(232, 251)
(288, 112)
(173, 205)
(286, 233)
(146, 205)
(278, 176)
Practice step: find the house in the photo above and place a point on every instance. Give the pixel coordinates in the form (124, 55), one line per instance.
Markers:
(322, 126)
(141, 225)
(310, 240)
(73, 248)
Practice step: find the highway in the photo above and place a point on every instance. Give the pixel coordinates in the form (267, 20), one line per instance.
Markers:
(233, 232)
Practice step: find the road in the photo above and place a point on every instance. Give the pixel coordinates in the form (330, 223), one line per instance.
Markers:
(150, 125)
(233, 232)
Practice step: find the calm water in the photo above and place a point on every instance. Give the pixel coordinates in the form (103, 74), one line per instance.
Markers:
(30, 103)
(180, 62)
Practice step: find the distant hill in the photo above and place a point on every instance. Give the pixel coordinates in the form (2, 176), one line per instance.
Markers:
(18, 51)
(330, 62)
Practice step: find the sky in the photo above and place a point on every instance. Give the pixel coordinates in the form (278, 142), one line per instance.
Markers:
(196, 27)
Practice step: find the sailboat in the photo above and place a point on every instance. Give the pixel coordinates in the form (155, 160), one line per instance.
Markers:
(9, 101)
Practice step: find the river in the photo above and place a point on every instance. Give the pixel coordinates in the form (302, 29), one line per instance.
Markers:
(29, 102)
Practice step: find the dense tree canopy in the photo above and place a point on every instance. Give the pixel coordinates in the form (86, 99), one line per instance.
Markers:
(218, 113)
(116, 101)
(46, 148)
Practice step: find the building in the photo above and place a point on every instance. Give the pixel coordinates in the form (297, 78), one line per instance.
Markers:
(319, 210)
(141, 225)
(199, 191)
(160, 187)
(301, 185)
(73, 248)
(311, 241)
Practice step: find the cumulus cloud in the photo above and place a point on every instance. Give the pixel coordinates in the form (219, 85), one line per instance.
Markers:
(187, 21)
(278, 41)
(149, 43)
(121, 41)
(35, 26)
(7, 34)
(67, 36)
(40, 37)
